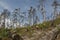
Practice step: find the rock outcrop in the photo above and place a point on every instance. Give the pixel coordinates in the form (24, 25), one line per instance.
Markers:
(53, 34)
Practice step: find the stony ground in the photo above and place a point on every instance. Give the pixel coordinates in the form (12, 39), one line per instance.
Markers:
(52, 33)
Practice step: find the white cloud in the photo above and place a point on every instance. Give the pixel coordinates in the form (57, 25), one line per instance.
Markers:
(5, 5)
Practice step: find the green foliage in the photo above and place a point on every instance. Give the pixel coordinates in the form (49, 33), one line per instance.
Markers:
(57, 21)
(3, 32)
(24, 31)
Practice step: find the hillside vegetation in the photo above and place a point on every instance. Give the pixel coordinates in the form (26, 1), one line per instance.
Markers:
(33, 31)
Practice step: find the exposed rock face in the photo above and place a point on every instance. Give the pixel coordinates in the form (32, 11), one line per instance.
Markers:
(17, 37)
(58, 37)
(54, 34)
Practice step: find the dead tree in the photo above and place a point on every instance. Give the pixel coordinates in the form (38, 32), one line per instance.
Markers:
(5, 14)
(30, 15)
(41, 7)
(35, 17)
(23, 17)
(16, 16)
(36, 20)
(55, 5)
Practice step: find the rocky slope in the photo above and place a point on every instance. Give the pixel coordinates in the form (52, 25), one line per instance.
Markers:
(53, 34)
